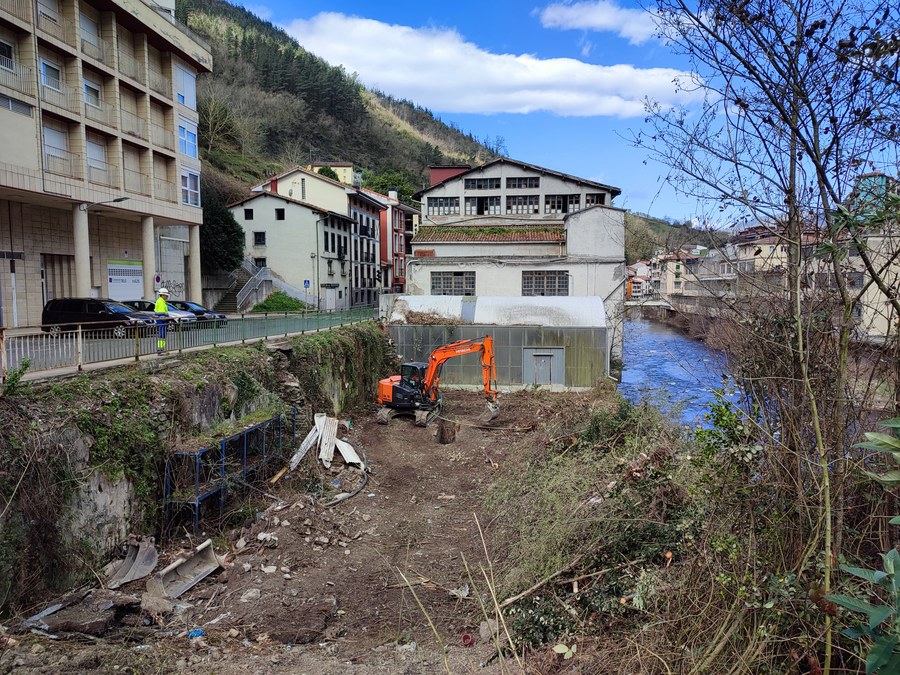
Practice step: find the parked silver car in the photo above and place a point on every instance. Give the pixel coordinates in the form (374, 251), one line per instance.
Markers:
(179, 319)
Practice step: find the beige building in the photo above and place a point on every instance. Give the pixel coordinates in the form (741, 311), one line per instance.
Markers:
(100, 173)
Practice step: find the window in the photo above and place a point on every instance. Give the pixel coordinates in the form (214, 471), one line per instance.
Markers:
(523, 204)
(190, 188)
(49, 9)
(561, 203)
(453, 283)
(545, 282)
(443, 206)
(50, 75)
(91, 93)
(330, 266)
(478, 206)
(333, 246)
(6, 55)
(248, 214)
(594, 199)
(326, 241)
(187, 138)
(523, 182)
(186, 87)
(259, 238)
(855, 279)
(482, 183)
(56, 142)
(279, 214)
(260, 262)
(96, 153)
(90, 30)
(11, 104)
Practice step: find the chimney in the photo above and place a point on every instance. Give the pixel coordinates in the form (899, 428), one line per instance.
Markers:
(393, 194)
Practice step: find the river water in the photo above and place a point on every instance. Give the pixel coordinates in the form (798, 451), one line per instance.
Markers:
(672, 371)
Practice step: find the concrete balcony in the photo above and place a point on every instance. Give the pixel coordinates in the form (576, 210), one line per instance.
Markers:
(62, 162)
(101, 173)
(20, 9)
(97, 49)
(130, 66)
(101, 112)
(136, 182)
(61, 95)
(165, 190)
(134, 125)
(162, 137)
(14, 76)
(50, 22)
(160, 83)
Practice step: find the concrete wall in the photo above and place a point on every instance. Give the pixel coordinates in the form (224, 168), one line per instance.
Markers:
(585, 351)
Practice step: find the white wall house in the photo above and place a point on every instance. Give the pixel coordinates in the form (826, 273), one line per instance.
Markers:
(513, 229)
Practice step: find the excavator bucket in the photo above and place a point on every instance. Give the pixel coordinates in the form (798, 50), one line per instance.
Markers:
(491, 413)
(185, 573)
(140, 559)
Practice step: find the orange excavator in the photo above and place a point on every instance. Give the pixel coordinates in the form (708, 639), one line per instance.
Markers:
(415, 390)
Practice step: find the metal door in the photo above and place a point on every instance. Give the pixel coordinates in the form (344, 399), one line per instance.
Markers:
(544, 365)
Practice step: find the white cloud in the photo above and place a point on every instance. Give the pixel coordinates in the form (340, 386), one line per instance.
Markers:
(438, 69)
(635, 25)
(263, 12)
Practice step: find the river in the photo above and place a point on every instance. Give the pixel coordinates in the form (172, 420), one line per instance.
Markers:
(669, 369)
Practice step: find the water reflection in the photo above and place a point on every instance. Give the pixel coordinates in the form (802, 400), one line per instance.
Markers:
(669, 369)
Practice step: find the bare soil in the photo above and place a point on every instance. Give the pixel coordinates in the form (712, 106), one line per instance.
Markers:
(329, 596)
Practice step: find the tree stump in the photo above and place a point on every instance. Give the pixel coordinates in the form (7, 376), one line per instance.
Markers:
(446, 431)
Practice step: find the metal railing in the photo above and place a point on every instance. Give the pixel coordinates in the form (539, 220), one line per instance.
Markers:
(53, 24)
(162, 137)
(101, 173)
(136, 182)
(60, 94)
(130, 66)
(97, 48)
(62, 162)
(20, 9)
(97, 343)
(134, 125)
(14, 76)
(165, 190)
(160, 83)
(98, 111)
(252, 286)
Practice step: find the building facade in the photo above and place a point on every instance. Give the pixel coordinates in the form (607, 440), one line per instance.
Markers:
(100, 174)
(398, 221)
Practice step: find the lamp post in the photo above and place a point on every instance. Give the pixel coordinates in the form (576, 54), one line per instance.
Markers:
(85, 207)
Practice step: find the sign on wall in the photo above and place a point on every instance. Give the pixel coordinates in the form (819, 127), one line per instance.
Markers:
(125, 279)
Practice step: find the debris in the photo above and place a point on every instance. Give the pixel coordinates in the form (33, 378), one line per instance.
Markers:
(487, 630)
(269, 540)
(467, 640)
(409, 647)
(185, 573)
(308, 442)
(462, 592)
(268, 569)
(327, 437)
(156, 606)
(278, 476)
(250, 594)
(140, 560)
(197, 632)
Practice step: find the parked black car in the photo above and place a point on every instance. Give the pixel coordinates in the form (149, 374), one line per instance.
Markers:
(205, 317)
(102, 313)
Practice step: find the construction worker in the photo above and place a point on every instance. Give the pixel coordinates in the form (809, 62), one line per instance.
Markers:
(162, 310)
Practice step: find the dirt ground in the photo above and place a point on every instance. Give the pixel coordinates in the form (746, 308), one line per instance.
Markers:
(328, 596)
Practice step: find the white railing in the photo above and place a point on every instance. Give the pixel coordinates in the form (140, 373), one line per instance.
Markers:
(101, 173)
(99, 111)
(62, 162)
(134, 125)
(53, 24)
(59, 94)
(97, 48)
(162, 137)
(18, 8)
(136, 182)
(252, 286)
(130, 66)
(14, 76)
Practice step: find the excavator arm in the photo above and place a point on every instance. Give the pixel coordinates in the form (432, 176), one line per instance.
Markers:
(442, 354)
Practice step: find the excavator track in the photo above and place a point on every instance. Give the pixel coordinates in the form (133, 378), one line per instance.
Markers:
(384, 415)
(426, 417)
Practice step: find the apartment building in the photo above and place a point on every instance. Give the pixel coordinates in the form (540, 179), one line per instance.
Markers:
(99, 174)
(397, 223)
(354, 245)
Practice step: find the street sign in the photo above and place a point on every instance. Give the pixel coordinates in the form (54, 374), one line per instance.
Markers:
(306, 283)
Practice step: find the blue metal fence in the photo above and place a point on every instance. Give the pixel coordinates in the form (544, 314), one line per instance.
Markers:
(87, 344)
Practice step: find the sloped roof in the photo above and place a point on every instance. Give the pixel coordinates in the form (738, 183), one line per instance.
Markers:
(428, 234)
(614, 191)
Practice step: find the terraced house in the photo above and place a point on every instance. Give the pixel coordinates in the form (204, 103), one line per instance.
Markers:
(99, 174)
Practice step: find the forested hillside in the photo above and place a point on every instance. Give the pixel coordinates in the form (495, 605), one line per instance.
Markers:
(269, 103)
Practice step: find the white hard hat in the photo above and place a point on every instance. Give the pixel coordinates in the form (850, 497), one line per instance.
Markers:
(163, 291)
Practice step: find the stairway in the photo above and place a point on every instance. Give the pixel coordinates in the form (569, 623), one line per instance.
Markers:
(228, 303)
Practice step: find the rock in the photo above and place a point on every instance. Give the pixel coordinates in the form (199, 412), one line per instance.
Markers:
(250, 594)
(285, 523)
(487, 630)
(37, 648)
(233, 632)
(156, 606)
(268, 569)
(366, 517)
(247, 567)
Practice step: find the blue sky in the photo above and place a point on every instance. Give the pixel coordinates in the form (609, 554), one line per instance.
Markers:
(562, 82)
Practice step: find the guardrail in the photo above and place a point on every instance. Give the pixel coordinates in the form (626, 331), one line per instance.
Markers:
(96, 343)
